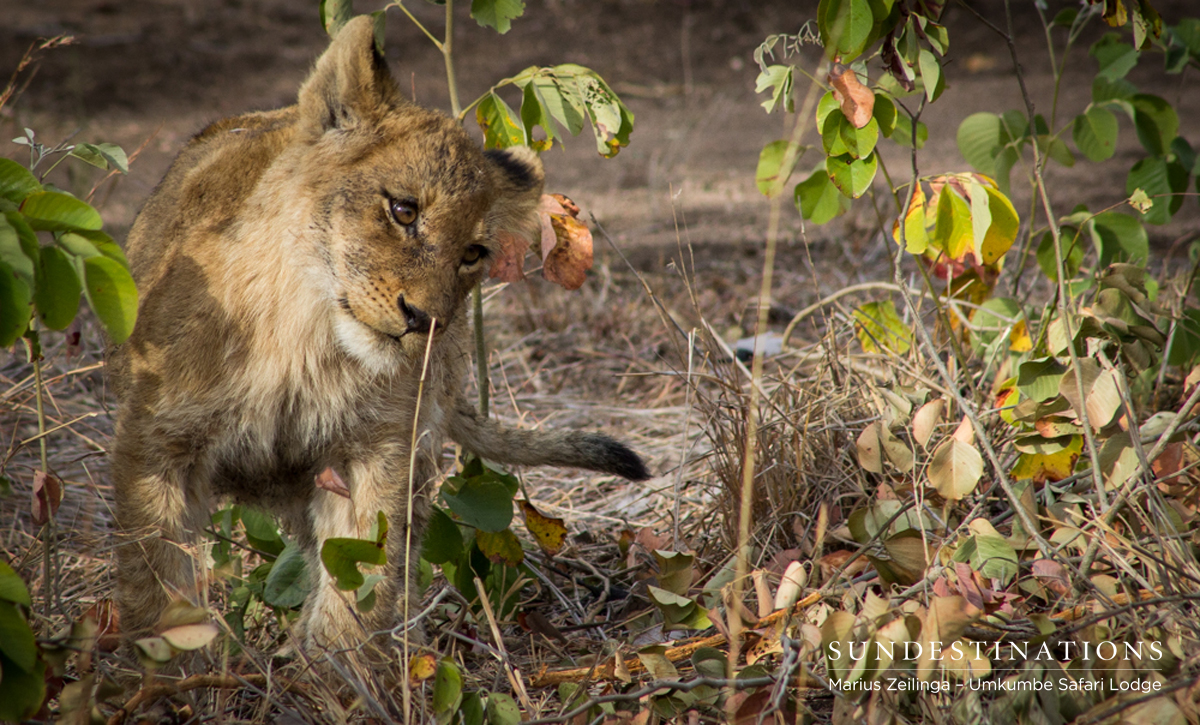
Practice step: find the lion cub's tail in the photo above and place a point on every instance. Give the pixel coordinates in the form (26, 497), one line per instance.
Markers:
(571, 449)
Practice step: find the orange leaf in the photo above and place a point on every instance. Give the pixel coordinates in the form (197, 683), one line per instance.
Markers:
(567, 262)
(856, 100)
(548, 532)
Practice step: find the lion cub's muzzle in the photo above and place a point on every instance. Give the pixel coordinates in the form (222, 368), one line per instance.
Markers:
(415, 319)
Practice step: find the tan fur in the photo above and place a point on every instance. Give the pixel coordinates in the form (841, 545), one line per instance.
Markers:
(283, 326)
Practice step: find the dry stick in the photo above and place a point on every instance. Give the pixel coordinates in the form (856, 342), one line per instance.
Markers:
(684, 446)
(745, 506)
(673, 654)
(510, 670)
(406, 689)
(195, 682)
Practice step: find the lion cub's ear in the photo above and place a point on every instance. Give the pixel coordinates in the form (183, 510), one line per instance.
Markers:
(517, 178)
(351, 83)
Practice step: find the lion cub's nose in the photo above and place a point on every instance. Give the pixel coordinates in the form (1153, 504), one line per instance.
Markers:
(414, 317)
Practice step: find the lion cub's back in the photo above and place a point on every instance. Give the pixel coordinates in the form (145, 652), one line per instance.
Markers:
(206, 186)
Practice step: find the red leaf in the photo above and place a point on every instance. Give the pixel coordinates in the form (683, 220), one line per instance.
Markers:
(47, 495)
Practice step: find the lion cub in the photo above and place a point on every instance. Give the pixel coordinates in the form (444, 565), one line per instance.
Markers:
(293, 267)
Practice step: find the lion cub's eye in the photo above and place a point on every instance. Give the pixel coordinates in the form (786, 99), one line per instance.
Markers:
(404, 211)
(474, 253)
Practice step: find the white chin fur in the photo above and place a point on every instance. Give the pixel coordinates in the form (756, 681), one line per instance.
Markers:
(376, 352)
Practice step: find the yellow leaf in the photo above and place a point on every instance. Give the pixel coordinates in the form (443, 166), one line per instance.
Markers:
(548, 532)
(422, 667)
(1002, 232)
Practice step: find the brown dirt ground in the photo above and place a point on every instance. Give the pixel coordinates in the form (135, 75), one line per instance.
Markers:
(149, 73)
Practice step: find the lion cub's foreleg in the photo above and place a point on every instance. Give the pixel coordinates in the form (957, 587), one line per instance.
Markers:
(161, 515)
(377, 477)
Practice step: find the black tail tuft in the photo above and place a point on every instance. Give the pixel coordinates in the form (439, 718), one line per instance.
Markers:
(618, 458)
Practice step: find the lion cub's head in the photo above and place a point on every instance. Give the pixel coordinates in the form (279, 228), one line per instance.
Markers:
(407, 206)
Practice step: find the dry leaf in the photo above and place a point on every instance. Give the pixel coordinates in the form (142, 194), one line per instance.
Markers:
(508, 260)
(568, 261)
(47, 495)
(108, 625)
(870, 448)
(791, 585)
(532, 620)
(329, 480)
(856, 100)
(926, 419)
(550, 533)
(1052, 574)
(965, 431)
(190, 636)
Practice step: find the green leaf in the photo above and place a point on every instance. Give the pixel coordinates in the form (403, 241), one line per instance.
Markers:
(818, 199)
(16, 305)
(1041, 379)
(54, 211)
(880, 328)
(952, 231)
(885, 114)
(612, 121)
(443, 540)
(497, 14)
(447, 691)
(341, 557)
(1119, 238)
(19, 248)
(112, 296)
(16, 638)
(1072, 254)
(770, 177)
(335, 14)
(1156, 122)
(994, 318)
(563, 100)
(21, 691)
(1095, 133)
(989, 555)
(287, 584)
(1163, 182)
(486, 505)
(1116, 58)
(58, 290)
(1004, 224)
(12, 589)
(845, 27)
(903, 134)
(778, 80)
(980, 138)
(103, 156)
(16, 181)
(502, 710)
(852, 176)
(1185, 345)
(931, 75)
(501, 127)
(535, 113)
